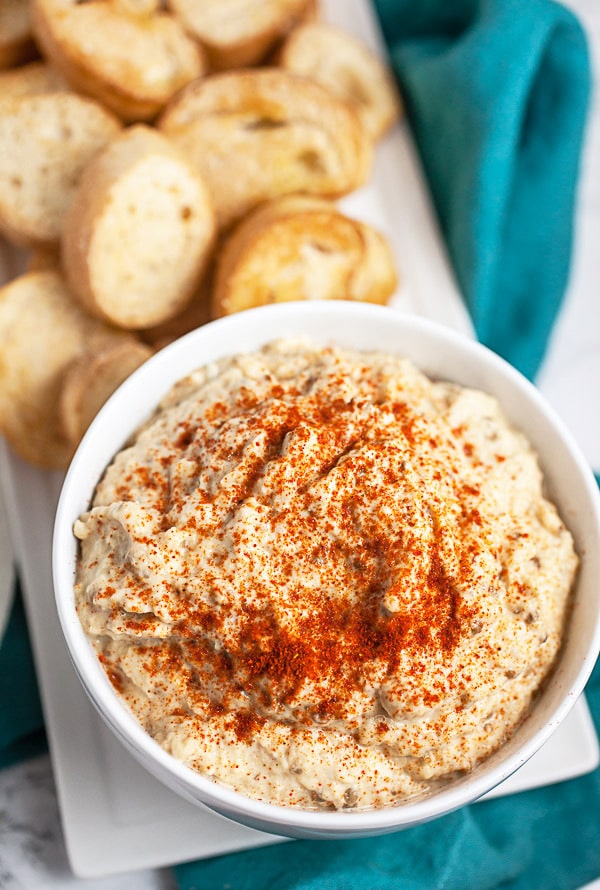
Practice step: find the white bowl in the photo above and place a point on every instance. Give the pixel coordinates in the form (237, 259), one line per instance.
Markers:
(440, 353)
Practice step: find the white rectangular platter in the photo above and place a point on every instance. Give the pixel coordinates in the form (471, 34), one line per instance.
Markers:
(116, 817)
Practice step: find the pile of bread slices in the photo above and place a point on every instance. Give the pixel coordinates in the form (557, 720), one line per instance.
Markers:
(168, 163)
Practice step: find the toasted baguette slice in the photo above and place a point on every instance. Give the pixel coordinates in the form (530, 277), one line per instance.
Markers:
(42, 329)
(238, 33)
(141, 9)
(139, 231)
(16, 42)
(347, 68)
(255, 135)
(30, 80)
(197, 313)
(301, 248)
(45, 142)
(132, 63)
(92, 377)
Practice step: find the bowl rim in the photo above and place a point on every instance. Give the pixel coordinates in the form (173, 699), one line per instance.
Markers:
(192, 784)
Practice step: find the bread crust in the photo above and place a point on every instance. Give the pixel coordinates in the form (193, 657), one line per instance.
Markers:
(257, 134)
(195, 314)
(43, 258)
(299, 247)
(91, 378)
(42, 329)
(33, 79)
(104, 52)
(16, 40)
(112, 227)
(349, 69)
(239, 33)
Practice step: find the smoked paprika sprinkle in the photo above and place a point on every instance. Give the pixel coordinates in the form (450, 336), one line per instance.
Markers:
(323, 579)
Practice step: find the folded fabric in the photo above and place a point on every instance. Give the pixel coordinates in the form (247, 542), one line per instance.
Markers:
(497, 92)
(546, 838)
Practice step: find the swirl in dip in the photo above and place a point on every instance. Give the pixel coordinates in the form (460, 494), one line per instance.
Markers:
(324, 580)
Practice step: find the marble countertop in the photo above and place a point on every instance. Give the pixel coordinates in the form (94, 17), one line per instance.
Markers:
(32, 850)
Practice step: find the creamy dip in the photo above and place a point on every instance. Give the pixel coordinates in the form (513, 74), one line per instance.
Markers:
(324, 580)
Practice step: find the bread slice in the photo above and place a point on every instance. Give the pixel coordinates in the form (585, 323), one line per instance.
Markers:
(30, 80)
(45, 142)
(132, 62)
(16, 42)
(196, 313)
(255, 135)
(301, 248)
(238, 33)
(349, 69)
(139, 231)
(42, 329)
(92, 378)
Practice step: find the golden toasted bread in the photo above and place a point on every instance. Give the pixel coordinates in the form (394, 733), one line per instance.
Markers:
(16, 42)
(130, 56)
(30, 80)
(42, 329)
(346, 67)
(139, 231)
(45, 142)
(255, 135)
(92, 377)
(197, 313)
(301, 248)
(238, 33)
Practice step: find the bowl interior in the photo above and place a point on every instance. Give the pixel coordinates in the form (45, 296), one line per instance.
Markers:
(440, 353)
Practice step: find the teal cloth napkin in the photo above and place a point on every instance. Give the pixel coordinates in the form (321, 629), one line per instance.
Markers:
(21, 723)
(497, 93)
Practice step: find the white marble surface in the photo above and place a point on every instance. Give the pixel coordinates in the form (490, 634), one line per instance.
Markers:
(32, 852)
